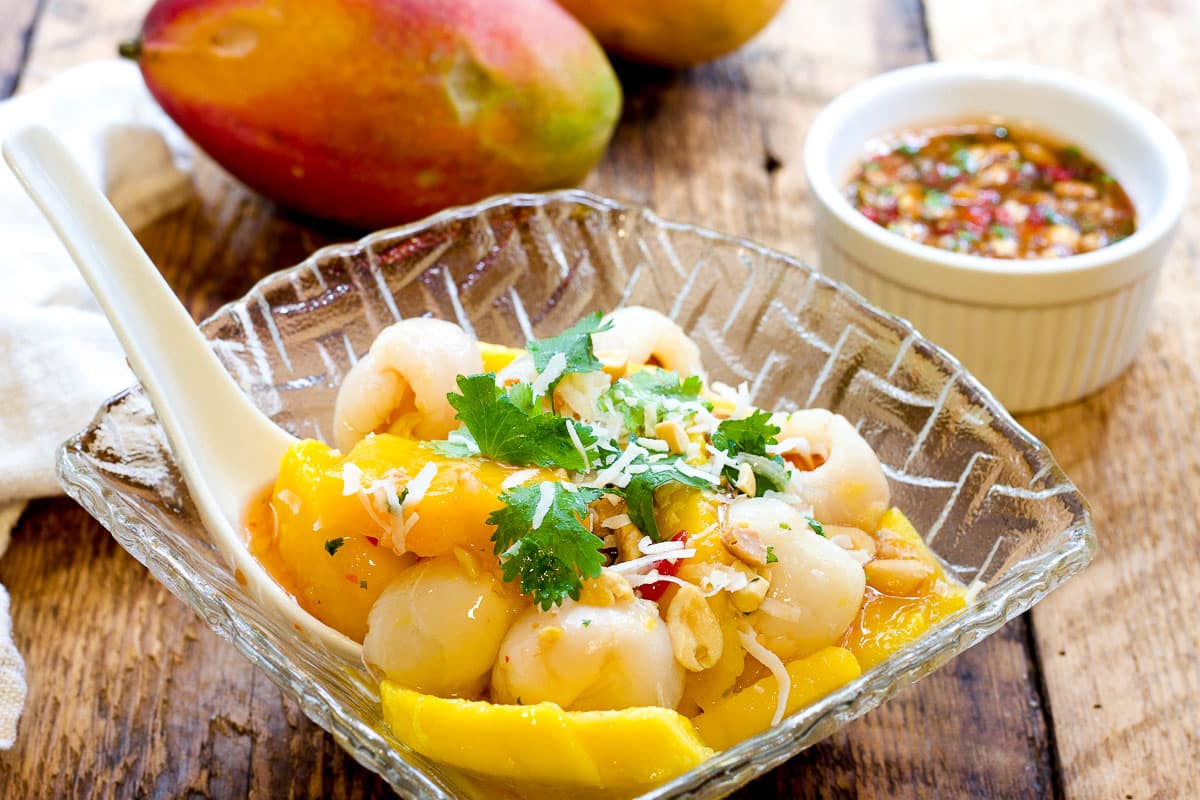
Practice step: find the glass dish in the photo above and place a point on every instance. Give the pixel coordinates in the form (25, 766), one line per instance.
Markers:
(989, 497)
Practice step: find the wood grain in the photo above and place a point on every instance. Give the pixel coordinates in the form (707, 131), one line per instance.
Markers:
(1121, 658)
(132, 696)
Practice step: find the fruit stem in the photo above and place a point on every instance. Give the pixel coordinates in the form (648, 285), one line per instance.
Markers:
(131, 49)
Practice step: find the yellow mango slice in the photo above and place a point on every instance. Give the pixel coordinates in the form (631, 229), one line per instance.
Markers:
(621, 750)
(887, 623)
(496, 356)
(751, 710)
(335, 556)
(897, 538)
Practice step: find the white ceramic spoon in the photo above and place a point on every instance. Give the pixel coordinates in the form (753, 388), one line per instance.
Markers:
(227, 450)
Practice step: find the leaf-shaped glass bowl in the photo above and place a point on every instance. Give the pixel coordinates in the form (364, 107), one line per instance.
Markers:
(988, 496)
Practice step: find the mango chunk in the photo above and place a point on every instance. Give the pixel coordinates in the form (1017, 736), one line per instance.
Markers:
(885, 624)
(750, 711)
(541, 743)
(335, 552)
(496, 356)
(888, 622)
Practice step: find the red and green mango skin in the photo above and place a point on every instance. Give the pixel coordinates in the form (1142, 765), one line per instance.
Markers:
(376, 112)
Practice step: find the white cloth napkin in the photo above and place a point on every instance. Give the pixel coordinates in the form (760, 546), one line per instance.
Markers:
(58, 357)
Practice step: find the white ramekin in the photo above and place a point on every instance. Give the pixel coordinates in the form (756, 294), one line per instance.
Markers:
(1037, 333)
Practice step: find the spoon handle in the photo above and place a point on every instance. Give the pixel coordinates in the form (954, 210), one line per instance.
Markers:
(210, 421)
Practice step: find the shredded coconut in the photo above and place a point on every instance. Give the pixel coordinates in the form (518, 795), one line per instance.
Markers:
(720, 459)
(578, 443)
(289, 499)
(351, 479)
(793, 444)
(723, 579)
(654, 576)
(517, 478)
(658, 445)
(545, 500)
(649, 547)
(520, 369)
(774, 664)
(615, 473)
(689, 470)
(419, 485)
(555, 367)
(635, 565)
(617, 521)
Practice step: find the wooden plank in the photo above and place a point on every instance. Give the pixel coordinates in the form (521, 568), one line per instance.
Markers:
(1121, 663)
(18, 16)
(160, 706)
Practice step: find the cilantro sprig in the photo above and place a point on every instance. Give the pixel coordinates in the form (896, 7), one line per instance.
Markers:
(575, 343)
(749, 434)
(746, 440)
(517, 434)
(639, 493)
(641, 397)
(552, 559)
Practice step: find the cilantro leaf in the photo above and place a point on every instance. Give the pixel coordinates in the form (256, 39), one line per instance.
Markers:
(552, 560)
(771, 557)
(817, 527)
(639, 493)
(575, 343)
(746, 440)
(769, 472)
(750, 434)
(506, 432)
(640, 397)
(333, 545)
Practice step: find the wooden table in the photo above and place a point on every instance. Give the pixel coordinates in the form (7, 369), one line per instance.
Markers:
(1094, 694)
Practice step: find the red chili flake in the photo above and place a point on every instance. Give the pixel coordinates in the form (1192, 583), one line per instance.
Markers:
(870, 212)
(352, 578)
(373, 541)
(978, 218)
(1056, 173)
(654, 591)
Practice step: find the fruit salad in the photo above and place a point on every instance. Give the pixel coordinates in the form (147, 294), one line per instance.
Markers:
(582, 564)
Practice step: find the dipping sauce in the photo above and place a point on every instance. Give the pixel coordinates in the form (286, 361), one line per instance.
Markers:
(990, 191)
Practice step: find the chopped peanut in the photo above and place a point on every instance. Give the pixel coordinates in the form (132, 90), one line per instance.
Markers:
(750, 596)
(746, 481)
(673, 433)
(746, 544)
(695, 632)
(849, 538)
(897, 576)
(606, 590)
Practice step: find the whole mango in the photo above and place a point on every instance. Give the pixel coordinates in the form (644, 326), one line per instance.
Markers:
(673, 33)
(374, 112)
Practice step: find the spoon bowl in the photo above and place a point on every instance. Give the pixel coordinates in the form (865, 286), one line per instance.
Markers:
(226, 449)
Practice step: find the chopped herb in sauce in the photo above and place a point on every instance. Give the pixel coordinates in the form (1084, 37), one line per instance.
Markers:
(983, 190)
